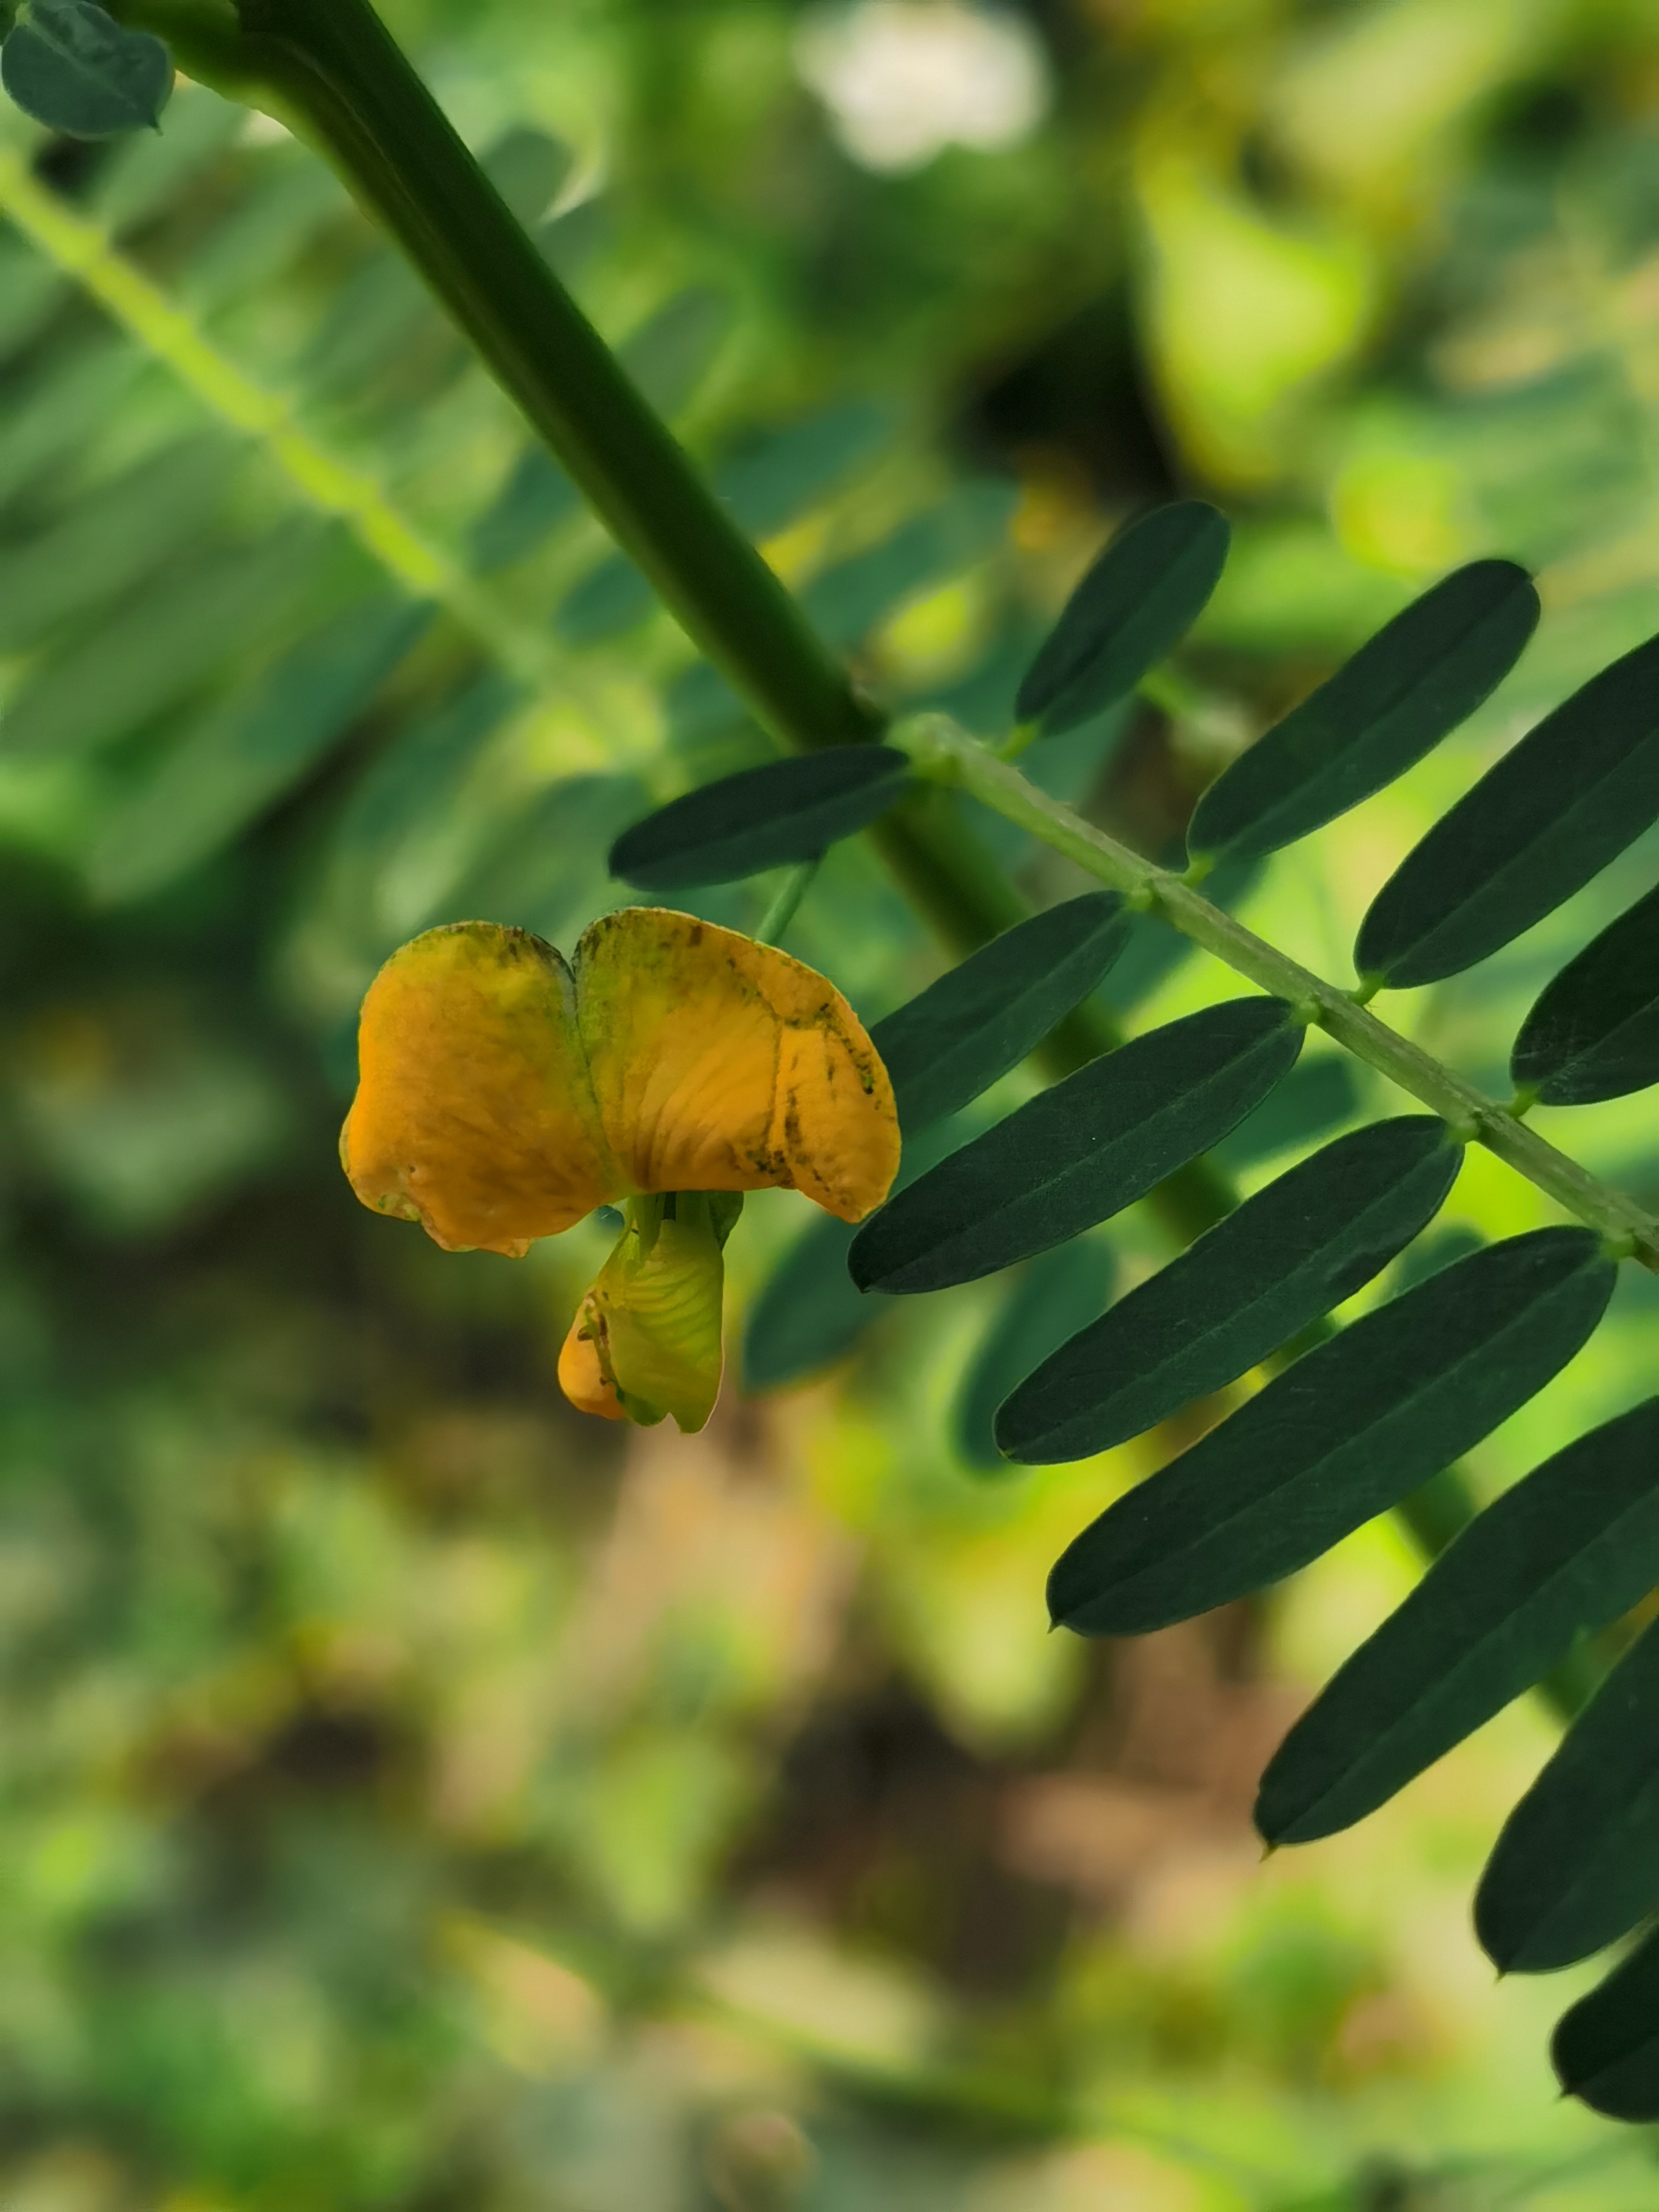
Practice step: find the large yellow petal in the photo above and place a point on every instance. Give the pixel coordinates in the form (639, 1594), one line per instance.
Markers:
(474, 1115)
(647, 1340)
(719, 1064)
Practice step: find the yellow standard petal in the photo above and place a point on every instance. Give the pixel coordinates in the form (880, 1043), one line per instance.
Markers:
(647, 1340)
(474, 1115)
(719, 1064)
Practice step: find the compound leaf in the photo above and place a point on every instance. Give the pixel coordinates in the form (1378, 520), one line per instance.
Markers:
(1081, 1153)
(1143, 593)
(1606, 2049)
(1594, 1032)
(954, 1039)
(1420, 677)
(1052, 1296)
(1346, 1432)
(1576, 1863)
(1564, 1552)
(1248, 1286)
(1549, 816)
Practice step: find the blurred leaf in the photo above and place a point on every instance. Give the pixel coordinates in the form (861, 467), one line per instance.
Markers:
(1594, 1031)
(60, 406)
(1049, 1299)
(1245, 1287)
(1351, 1428)
(770, 479)
(1081, 1152)
(170, 637)
(536, 498)
(761, 817)
(1552, 813)
(71, 66)
(956, 1038)
(809, 1312)
(231, 765)
(669, 355)
(1142, 595)
(610, 598)
(548, 872)
(1606, 2049)
(108, 540)
(847, 601)
(1576, 1863)
(144, 175)
(1566, 1550)
(1419, 677)
(1312, 1100)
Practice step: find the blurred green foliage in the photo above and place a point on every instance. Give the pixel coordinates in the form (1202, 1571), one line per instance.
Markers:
(413, 1795)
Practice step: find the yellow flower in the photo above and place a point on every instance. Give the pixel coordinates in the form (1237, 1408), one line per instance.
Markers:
(503, 1095)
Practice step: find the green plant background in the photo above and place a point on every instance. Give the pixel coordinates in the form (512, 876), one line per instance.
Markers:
(412, 1795)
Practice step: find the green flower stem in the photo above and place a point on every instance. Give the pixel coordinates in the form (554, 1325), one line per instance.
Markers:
(786, 906)
(942, 752)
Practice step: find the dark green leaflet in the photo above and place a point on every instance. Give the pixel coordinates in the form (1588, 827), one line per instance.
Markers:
(1565, 1551)
(1142, 595)
(1576, 1863)
(1594, 1032)
(1420, 677)
(1082, 1151)
(72, 67)
(1285, 1256)
(1550, 815)
(1048, 1300)
(1607, 2049)
(954, 1039)
(1346, 1432)
(787, 810)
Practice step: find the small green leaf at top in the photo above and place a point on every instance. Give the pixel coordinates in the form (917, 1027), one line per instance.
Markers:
(1081, 1153)
(1346, 1432)
(1257, 1280)
(1568, 799)
(1606, 2049)
(1056, 1295)
(956, 1038)
(1142, 595)
(1594, 1031)
(761, 817)
(1576, 1863)
(1567, 1550)
(1418, 678)
(71, 66)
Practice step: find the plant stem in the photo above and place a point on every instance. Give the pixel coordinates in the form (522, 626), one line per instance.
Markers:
(941, 751)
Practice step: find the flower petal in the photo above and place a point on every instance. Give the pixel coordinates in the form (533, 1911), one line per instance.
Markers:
(652, 1321)
(474, 1115)
(719, 1064)
(581, 1378)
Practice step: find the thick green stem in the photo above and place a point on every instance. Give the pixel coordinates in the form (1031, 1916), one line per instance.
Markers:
(941, 751)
